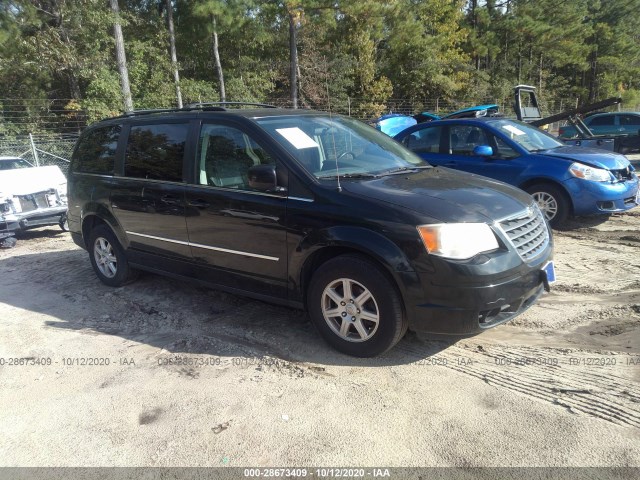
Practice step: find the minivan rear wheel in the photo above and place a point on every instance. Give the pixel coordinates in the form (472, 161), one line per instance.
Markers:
(108, 258)
(356, 309)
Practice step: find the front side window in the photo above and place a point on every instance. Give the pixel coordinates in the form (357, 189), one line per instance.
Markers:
(603, 121)
(156, 151)
(225, 156)
(96, 151)
(330, 145)
(426, 140)
(464, 138)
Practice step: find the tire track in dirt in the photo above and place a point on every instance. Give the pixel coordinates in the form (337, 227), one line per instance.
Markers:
(548, 375)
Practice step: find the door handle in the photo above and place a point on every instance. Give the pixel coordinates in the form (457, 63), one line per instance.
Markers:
(170, 200)
(198, 203)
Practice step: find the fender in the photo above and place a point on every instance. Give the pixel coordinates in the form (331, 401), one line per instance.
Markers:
(99, 210)
(354, 239)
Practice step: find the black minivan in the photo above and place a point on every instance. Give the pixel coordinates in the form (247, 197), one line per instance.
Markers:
(311, 210)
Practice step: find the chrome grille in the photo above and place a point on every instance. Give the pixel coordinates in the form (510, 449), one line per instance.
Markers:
(527, 232)
(33, 201)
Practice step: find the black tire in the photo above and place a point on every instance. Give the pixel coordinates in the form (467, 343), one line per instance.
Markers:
(545, 193)
(99, 238)
(385, 304)
(64, 223)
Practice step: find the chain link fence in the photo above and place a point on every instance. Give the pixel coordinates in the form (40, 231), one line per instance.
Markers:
(41, 149)
(55, 126)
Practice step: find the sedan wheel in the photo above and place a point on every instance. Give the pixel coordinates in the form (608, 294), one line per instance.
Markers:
(553, 202)
(547, 204)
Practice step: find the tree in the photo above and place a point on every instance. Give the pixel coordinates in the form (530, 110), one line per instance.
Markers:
(172, 49)
(121, 57)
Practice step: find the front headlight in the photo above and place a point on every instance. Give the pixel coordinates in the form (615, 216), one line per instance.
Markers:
(579, 170)
(458, 241)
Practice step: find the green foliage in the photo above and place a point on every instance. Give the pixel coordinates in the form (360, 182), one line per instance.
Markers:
(360, 54)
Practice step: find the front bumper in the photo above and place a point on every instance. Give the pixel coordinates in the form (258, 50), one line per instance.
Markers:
(462, 308)
(35, 218)
(594, 198)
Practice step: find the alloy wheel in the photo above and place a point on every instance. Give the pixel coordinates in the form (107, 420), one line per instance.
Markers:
(105, 258)
(350, 310)
(547, 203)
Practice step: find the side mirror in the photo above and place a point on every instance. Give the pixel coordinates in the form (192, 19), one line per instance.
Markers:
(263, 178)
(483, 151)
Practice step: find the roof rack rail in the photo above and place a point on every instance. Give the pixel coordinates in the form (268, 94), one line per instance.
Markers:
(216, 106)
(222, 104)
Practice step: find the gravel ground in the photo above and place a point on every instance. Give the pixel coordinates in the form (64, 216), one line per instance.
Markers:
(164, 373)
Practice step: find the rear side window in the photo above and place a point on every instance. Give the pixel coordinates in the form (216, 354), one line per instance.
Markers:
(156, 151)
(96, 152)
(426, 140)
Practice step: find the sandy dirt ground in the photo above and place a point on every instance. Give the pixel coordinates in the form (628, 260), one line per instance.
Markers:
(164, 373)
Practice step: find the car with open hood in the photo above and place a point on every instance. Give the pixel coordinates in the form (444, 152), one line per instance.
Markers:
(563, 180)
(311, 210)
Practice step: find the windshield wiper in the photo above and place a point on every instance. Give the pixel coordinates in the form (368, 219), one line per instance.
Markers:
(401, 170)
(348, 175)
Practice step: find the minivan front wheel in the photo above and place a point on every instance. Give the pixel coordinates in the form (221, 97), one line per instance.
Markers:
(108, 259)
(356, 309)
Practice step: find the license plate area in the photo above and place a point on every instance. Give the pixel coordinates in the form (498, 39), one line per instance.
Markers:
(548, 274)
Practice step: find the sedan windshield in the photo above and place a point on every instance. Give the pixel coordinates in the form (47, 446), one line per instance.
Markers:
(330, 145)
(13, 163)
(530, 138)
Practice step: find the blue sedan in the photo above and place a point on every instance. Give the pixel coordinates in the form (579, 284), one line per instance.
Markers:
(563, 180)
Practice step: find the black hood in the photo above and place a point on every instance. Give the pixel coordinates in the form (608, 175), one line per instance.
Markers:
(445, 195)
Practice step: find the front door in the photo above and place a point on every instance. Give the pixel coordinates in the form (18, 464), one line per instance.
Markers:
(237, 233)
(503, 165)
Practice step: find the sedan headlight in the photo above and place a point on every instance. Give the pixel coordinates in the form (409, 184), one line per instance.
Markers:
(579, 170)
(458, 241)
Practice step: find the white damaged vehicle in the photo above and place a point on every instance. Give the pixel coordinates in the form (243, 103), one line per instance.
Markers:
(30, 196)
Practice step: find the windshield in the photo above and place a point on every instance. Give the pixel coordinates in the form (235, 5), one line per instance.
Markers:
(327, 145)
(13, 163)
(530, 138)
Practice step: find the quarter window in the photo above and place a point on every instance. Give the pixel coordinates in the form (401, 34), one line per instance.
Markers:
(225, 156)
(96, 152)
(156, 151)
(504, 150)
